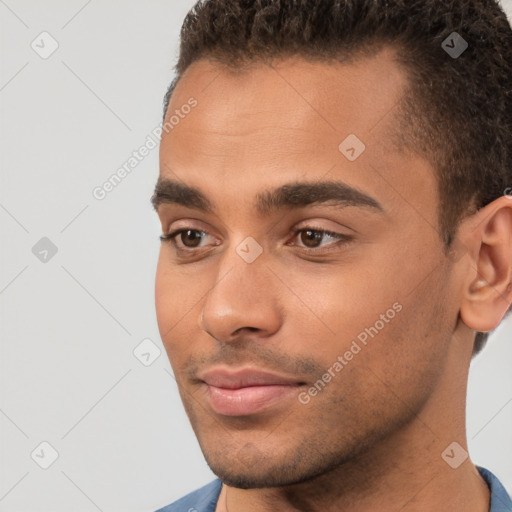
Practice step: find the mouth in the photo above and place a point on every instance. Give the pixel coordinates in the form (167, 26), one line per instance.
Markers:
(247, 391)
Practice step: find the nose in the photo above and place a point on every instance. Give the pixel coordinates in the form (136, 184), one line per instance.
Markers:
(243, 299)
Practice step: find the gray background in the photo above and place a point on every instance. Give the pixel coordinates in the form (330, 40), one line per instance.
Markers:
(70, 324)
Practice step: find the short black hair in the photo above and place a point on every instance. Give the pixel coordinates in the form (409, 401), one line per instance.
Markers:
(457, 112)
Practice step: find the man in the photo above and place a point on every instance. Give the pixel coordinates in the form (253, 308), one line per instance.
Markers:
(336, 216)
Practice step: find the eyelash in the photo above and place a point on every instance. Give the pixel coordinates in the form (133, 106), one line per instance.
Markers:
(343, 239)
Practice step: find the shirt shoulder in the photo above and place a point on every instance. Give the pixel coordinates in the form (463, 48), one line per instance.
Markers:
(203, 499)
(500, 499)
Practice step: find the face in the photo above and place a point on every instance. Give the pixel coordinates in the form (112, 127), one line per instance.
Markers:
(305, 323)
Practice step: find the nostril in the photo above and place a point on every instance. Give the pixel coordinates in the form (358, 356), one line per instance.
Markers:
(251, 329)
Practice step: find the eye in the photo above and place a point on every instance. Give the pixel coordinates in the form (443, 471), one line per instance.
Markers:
(189, 238)
(311, 238)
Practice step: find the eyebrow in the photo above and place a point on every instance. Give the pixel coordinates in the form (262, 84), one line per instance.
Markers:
(289, 195)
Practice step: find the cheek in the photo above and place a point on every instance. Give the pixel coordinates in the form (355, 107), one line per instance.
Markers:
(164, 296)
(369, 313)
(171, 304)
(407, 356)
(179, 297)
(177, 289)
(343, 299)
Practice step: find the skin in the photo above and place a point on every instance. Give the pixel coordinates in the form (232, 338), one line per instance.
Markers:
(372, 439)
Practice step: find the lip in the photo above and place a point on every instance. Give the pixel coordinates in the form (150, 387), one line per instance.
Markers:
(246, 391)
(245, 377)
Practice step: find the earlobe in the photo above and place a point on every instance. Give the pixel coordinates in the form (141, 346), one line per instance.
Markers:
(488, 286)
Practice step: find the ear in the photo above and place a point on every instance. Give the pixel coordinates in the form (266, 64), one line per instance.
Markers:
(487, 291)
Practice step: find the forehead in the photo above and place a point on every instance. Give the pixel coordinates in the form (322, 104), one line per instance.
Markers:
(350, 94)
(279, 120)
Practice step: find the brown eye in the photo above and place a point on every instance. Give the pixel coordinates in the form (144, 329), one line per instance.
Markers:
(184, 239)
(311, 238)
(190, 237)
(318, 240)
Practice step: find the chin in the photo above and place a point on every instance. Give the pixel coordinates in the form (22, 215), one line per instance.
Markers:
(281, 470)
(246, 478)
